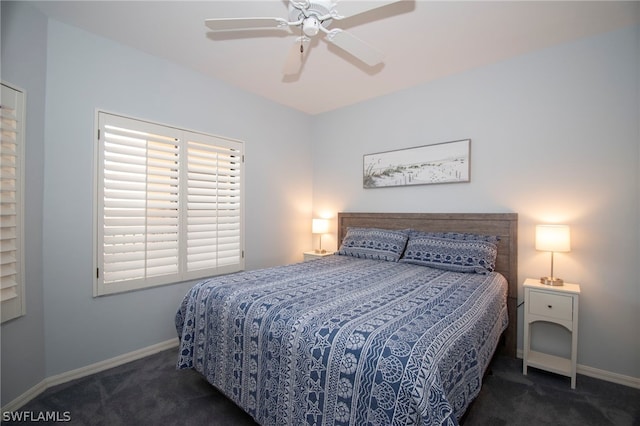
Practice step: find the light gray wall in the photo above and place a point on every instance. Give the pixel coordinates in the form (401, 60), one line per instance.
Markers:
(554, 138)
(637, 190)
(23, 64)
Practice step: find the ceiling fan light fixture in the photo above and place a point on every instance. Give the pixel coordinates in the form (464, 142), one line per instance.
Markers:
(311, 26)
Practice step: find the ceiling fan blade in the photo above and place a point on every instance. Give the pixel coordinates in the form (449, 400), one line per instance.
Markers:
(353, 45)
(238, 24)
(296, 58)
(346, 9)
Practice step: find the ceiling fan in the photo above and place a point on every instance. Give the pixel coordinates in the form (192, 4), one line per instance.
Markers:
(311, 17)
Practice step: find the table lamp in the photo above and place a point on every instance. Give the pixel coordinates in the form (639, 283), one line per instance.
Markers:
(320, 226)
(553, 238)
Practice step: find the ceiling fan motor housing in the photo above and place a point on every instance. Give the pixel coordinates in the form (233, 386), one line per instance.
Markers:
(310, 15)
(311, 26)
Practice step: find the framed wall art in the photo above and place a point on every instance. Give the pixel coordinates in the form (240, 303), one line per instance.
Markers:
(446, 162)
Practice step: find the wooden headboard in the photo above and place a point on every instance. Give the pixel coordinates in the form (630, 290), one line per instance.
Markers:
(504, 225)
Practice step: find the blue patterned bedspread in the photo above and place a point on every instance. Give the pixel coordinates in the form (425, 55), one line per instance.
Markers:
(340, 340)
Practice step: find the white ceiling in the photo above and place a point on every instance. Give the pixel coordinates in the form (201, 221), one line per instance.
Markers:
(423, 40)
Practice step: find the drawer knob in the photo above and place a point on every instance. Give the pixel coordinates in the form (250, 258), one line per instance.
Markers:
(549, 306)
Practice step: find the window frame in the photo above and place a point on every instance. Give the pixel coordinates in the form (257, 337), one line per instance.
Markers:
(15, 306)
(180, 199)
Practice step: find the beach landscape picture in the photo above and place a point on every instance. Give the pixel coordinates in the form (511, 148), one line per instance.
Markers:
(445, 162)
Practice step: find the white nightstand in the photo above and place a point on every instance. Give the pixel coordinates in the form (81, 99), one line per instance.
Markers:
(309, 255)
(557, 305)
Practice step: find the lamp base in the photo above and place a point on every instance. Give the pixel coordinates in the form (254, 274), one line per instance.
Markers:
(553, 281)
(320, 251)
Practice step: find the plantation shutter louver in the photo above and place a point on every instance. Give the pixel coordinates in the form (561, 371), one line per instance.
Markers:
(165, 214)
(11, 160)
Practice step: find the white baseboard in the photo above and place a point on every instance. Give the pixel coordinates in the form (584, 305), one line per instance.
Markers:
(621, 379)
(607, 376)
(26, 397)
(110, 363)
(87, 371)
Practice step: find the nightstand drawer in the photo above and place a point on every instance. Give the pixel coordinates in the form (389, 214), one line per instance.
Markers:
(551, 305)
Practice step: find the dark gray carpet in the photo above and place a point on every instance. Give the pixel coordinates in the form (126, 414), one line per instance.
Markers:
(151, 392)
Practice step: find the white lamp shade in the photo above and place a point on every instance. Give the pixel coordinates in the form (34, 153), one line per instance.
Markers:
(554, 238)
(319, 226)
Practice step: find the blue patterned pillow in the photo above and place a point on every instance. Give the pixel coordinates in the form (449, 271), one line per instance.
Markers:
(454, 236)
(451, 253)
(373, 243)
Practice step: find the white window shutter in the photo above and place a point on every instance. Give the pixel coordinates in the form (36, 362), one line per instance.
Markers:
(168, 205)
(138, 223)
(214, 240)
(11, 205)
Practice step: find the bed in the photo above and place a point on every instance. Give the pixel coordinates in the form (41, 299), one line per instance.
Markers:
(387, 331)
